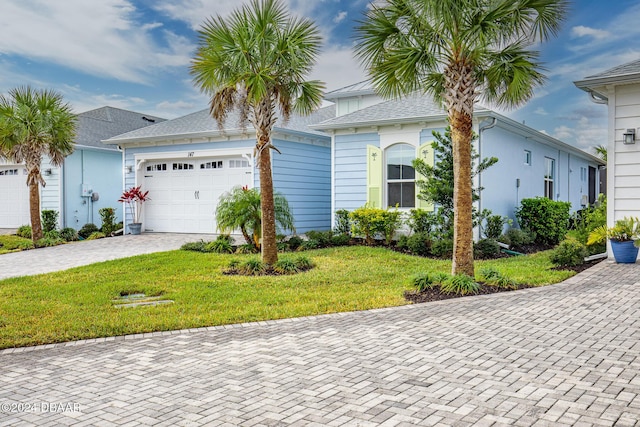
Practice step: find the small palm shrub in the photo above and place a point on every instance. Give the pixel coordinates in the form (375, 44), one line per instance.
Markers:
(285, 266)
(69, 234)
(87, 229)
(424, 281)
(198, 246)
(460, 284)
(569, 253)
(493, 277)
(222, 245)
(486, 249)
(24, 231)
(419, 244)
(246, 248)
(251, 267)
(308, 245)
(255, 267)
(49, 220)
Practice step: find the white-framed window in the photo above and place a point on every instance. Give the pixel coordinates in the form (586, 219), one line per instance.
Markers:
(7, 172)
(401, 176)
(549, 177)
(527, 157)
(583, 174)
(182, 166)
(238, 163)
(212, 165)
(157, 167)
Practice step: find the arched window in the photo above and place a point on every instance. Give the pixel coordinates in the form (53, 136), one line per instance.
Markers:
(401, 176)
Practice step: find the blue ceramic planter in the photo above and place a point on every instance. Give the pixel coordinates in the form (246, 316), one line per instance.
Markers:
(624, 252)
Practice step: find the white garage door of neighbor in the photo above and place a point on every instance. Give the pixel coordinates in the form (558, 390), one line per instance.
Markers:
(184, 193)
(14, 197)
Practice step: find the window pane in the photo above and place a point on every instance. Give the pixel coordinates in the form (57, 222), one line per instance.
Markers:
(395, 194)
(393, 171)
(402, 194)
(399, 158)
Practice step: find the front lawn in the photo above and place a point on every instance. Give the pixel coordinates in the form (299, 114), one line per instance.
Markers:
(78, 303)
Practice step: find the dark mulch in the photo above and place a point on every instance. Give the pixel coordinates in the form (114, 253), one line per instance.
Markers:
(579, 268)
(431, 295)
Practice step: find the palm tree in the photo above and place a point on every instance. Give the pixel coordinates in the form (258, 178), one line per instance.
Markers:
(34, 124)
(601, 151)
(458, 51)
(256, 61)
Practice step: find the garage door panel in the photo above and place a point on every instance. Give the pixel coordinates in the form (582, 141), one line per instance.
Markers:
(14, 197)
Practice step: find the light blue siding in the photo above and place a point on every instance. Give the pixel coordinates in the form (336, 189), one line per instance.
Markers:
(502, 195)
(303, 174)
(351, 169)
(102, 172)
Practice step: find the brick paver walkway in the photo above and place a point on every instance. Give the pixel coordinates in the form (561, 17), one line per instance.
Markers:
(567, 354)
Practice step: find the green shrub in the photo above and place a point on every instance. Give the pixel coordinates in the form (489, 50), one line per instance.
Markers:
(69, 234)
(419, 244)
(198, 246)
(53, 235)
(424, 281)
(294, 242)
(486, 249)
(23, 246)
(340, 240)
(219, 246)
(108, 216)
(49, 220)
(87, 229)
(516, 238)
(403, 242)
(460, 284)
(24, 231)
(308, 245)
(285, 266)
(371, 222)
(442, 248)
(495, 225)
(343, 224)
(96, 235)
(252, 267)
(422, 221)
(493, 277)
(547, 220)
(569, 252)
(46, 242)
(247, 248)
(322, 237)
(304, 263)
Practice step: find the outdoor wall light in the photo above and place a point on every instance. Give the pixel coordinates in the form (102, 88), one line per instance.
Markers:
(629, 137)
(47, 172)
(128, 169)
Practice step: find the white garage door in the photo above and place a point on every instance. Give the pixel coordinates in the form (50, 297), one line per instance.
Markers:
(14, 197)
(184, 193)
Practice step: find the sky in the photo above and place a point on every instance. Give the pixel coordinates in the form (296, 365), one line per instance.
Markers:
(135, 55)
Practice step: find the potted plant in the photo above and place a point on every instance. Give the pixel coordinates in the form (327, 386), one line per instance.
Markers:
(623, 236)
(134, 197)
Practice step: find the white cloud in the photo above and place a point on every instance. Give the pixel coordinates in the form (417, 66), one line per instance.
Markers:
(582, 31)
(99, 38)
(340, 17)
(338, 68)
(541, 111)
(177, 105)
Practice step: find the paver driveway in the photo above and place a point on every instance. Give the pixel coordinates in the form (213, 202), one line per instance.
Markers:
(567, 354)
(75, 254)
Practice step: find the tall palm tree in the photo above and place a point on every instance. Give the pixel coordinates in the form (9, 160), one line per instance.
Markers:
(458, 51)
(257, 60)
(34, 124)
(601, 151)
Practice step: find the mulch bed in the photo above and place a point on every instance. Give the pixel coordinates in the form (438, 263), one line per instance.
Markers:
(431, 295)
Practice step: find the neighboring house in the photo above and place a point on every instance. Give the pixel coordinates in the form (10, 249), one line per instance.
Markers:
(90, 178)
(374, 142)
(619, 88)
(187, 163)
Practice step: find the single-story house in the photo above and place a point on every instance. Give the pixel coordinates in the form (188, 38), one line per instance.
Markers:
(187, 163)
(90, 178)
(373, 143)
(619, 89)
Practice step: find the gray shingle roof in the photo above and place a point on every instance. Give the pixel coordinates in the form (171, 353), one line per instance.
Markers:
(632, 67)
(102, 123)
(361, 88)
(413, 107)
(201, 122)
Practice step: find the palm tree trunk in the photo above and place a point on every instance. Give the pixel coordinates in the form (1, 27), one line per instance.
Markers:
(461, 135)
(269, 245)
(34, 210)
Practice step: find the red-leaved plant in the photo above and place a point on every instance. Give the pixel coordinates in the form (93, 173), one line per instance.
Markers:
(134, 198)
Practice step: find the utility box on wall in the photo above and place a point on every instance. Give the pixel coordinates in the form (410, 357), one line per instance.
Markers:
(86, 190)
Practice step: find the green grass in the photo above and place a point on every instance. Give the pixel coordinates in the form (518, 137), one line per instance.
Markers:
(77, 303)
(11, 243)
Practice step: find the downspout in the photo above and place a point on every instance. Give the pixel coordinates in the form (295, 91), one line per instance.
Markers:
(480, 130)
(63, 196)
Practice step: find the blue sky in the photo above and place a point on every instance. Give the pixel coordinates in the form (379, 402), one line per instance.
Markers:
(135, 54)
